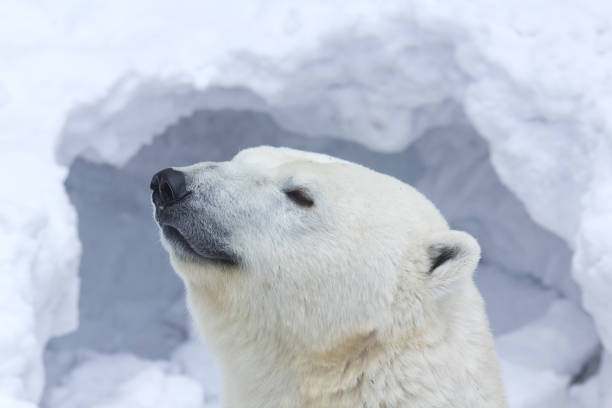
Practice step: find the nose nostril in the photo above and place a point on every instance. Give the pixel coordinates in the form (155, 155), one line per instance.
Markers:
(168, 187)
(166, 193)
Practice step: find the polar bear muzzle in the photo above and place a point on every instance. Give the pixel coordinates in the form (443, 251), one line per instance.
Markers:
(191, 232)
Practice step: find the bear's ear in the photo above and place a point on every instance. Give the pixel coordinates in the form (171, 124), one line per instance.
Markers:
(453, 256)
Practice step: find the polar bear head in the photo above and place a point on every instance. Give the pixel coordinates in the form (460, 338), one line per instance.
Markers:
(306, 246)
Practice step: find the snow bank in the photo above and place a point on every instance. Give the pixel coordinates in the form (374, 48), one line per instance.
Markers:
(546, 116)
(585, 395)
(123, 380)
(561, 341)
(109, 131)
(39, 253)
(527, 388)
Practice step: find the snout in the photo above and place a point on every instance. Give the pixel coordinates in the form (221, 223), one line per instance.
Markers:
(168, 188)
(188, 226)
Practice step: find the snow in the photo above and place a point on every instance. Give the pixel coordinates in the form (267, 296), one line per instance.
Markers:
(532, 78)
(193, 359)
(585, 395)
(39, 253)
(87, 133)
(123, 380)
(528, 388)
(566, 339)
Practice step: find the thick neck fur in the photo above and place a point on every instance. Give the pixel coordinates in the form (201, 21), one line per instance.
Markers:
(447, 365)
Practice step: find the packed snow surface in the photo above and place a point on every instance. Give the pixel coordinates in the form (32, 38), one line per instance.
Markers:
(531, 77)
(39, 253)
(126, 381)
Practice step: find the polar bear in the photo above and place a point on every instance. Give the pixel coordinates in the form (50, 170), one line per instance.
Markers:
(320, 283)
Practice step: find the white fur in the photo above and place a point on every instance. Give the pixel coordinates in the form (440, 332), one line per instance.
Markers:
(335, 305)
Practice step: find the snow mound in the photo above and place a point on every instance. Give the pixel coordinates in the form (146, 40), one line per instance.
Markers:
(108, 131)
(123, 380)
(528, 388)
(561, 341)
(39, 253)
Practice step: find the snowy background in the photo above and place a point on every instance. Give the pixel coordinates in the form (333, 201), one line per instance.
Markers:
(501, 113)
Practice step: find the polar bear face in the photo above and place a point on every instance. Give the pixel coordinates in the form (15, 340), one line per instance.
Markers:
(308, 246)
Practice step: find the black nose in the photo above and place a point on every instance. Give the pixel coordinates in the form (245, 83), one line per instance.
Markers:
(168, 187)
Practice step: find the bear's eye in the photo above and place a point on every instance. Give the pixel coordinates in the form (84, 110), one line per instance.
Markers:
(300, 197)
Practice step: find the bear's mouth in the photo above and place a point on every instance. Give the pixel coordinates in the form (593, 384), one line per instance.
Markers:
(185, 250)
(177, 239)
